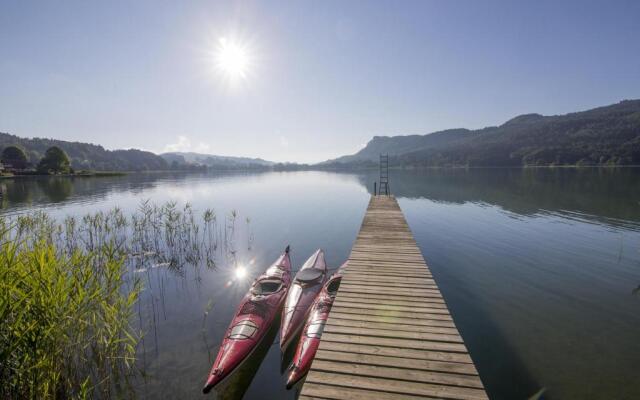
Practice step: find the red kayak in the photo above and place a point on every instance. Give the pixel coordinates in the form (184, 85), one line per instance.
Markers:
(312, 330)
(254, 316)
(306, 286)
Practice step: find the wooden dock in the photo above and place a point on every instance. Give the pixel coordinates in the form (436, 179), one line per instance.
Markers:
(390, 334)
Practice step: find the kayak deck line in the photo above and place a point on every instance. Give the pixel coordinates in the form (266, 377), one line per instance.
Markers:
(390, 334)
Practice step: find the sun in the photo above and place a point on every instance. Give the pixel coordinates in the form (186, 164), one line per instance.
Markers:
(232, 59)
(240, 272)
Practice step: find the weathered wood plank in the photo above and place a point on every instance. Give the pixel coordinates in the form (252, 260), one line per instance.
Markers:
(392, 304)
(397, 300)
(392, 326)
(395, 386)
(403, 374)
(390, 307)
(394, 342)
(415, 267)
(375, 291)
(420, 321)
(388, 333)
(369, 273)
(409, 292)
(318, 391)
(390, 282)
(396, 352)
(392, 286)
(400, 362)
(392, 313)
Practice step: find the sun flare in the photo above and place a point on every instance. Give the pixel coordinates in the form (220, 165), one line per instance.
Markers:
(240, 272)
(232, 59)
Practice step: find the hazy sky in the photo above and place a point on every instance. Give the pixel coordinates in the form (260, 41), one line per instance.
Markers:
(321, 78)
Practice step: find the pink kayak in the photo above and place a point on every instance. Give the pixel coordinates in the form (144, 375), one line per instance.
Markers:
(312, 330)
(252, 321)
(304, 289)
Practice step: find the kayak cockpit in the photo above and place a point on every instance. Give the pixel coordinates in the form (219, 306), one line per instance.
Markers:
(309, 275)
(266, 287)
(333, 286)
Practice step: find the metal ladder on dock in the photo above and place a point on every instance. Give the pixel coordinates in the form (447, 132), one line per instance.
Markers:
(384, 175)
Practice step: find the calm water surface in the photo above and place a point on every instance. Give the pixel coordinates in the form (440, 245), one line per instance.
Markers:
(540, 268)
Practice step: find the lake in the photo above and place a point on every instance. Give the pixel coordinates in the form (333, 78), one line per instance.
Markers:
(539, 267)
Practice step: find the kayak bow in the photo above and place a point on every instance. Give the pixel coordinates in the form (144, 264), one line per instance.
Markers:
(312, 330)
(252, 320)
(306, 286)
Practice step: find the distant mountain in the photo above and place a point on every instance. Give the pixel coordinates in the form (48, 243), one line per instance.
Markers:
(607, 135)
(216, 162)
(88, 156)
(397, 145)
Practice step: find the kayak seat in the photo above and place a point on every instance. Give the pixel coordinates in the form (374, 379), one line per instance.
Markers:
(309, 275)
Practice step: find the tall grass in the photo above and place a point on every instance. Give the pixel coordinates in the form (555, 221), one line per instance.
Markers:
(65, 329)
(69, 288)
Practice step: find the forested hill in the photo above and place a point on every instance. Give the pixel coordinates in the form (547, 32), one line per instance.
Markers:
(88, 156)
(607, 135)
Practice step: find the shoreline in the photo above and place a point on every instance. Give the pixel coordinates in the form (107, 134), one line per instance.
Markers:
(78, 175)
(99, 174)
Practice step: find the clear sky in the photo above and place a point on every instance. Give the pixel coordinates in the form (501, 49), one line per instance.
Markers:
(317, 79)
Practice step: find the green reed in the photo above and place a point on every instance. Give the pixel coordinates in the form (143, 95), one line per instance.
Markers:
(65, 329)
(69, 289)
(154, 234)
